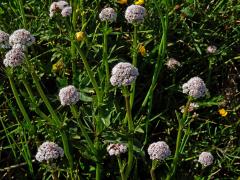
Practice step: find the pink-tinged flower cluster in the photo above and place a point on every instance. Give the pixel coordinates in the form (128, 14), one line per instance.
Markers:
(49, 151)
(123, 74)
(172, 64)
(69, 95)
(135, 14)
(4, 40)
(60, 6)
(108, 14)
(13, 58)
(21, 37)
(116, 149)
(159, 150)
(206, 158)
(195, 87)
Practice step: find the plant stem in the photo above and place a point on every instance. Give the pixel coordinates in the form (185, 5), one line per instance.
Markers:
(121, 168)
(33, 101)
(90, 74)
(134, 63)
(152, 172)
(161, 54)
(105, 56)
(130, 132)
(179, 137)
(20, 104)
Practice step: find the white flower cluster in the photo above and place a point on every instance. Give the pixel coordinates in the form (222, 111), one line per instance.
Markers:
(19, 40)
(116, 149)
(49, 151)
(192, 106)
(172, 64)
(206, 158)
(159, 150)
(69, 95)
(21, 37)
(211, 49)
(108, 14)
(62, 6)
(123, 74)
(13, 58)
(195, 87)
(4, 40)
(135, 14)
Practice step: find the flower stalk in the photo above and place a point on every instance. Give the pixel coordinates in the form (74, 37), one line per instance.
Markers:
(130, 131)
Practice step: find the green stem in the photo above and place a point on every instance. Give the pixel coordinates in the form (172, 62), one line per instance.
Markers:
(90, 74)
(134, 63)
(20, 104)
(161, 53)
(121, 168)
(152, 172)
(130, 132)
(98, 171)
(33, 101)
(179, 137)
(105, 57)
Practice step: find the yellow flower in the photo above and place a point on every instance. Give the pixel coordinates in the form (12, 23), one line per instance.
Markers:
(223, 112)
(58, 66)
(142, 49)
(80, 36)
(139, 2)
(122, 1)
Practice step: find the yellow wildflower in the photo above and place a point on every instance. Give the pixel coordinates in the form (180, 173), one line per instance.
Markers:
(223, 112)
(142, 49)
(58, 66)
(80, 36)
(122, 1)
(139, 2)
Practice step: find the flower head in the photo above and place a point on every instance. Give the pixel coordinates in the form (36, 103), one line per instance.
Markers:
(139, 2)
(49, 151)
(195, 87)
(67, 11)
(192, 107)
(222, 112)
(4, 40)
(13, 58)
(135, 14)
(142, 49)
(159, 150)
(122, 1)
(58, 66)
(172, 63)
(60, 6)
(123, 74)
(206, 158)
(53, 9)
(116, 149)
(211, 49)
(69, 95)
(21, 36)
(108, 14)
(80, 36)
